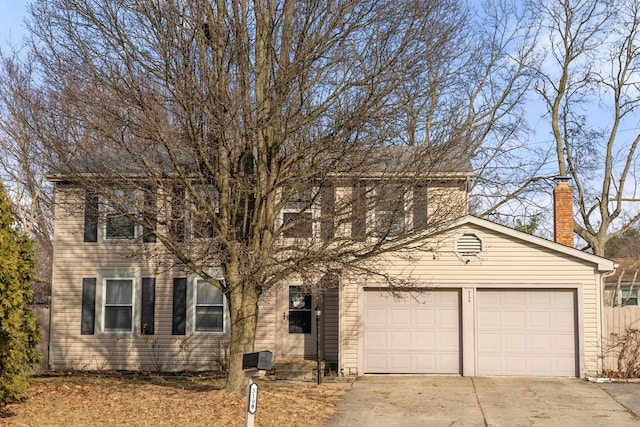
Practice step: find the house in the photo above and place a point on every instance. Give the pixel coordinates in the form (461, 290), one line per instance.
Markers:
(481, 299)
(621, 289)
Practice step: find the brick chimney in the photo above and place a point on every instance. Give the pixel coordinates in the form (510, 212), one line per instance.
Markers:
(563, 212)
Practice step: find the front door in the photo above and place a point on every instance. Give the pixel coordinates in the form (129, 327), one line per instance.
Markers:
(298, 323)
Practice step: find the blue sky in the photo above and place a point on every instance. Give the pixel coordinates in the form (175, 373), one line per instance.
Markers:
(12, 13)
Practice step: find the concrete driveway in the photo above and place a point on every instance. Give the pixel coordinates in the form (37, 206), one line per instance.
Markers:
(383, 400)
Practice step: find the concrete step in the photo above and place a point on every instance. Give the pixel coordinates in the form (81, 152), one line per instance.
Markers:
(303, 370)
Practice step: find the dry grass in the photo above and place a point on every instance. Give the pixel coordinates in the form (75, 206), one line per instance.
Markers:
(85, 400)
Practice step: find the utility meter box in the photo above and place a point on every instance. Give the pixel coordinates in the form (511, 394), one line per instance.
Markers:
(261, 361)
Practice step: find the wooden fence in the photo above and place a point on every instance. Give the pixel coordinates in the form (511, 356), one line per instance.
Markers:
(622, 333)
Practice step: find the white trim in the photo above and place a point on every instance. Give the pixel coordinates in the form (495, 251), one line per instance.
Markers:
(314, 210)
(192, 281)
(105, 208)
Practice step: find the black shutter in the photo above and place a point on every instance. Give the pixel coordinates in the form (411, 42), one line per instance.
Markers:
(91, 217)
(420, 208)
(150, 215)
(327, 212)
(179, 323)
(177, 214)
(359, 213)
(88, 306)
(148, 306)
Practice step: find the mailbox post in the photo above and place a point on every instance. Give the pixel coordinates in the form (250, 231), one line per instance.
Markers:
(255, 365)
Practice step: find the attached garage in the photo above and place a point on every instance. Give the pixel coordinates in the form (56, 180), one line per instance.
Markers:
(488, 300)
(527, 332)
(417, 332)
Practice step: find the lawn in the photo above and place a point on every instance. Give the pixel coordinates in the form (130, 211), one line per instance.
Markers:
(153, 400)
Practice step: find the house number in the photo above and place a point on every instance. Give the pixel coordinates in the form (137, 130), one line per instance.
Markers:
(253, 398)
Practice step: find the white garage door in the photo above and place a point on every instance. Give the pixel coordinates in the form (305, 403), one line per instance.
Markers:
(528, 332)
(417, 333)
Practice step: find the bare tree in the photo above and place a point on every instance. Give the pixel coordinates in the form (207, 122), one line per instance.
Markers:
(221, 126)
(589, 84)
(23, 166)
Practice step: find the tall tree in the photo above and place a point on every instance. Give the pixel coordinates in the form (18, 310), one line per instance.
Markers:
(19, 334)
(23, 163)
(210, 119)
(588, 81)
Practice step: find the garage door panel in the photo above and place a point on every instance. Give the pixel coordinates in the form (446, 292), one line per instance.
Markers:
(448, 317)
(423, 362)
(541, 319)
(376, 339)
(377, 361)
(399, 362)
(399, 317)
(376, 298)
(535, 338)
(541, 343)
(514, 343)
(375, 317)
(448, 340)
(400, 339)
(425, 317)
(424, 339)
(513, 320)
(425, 324)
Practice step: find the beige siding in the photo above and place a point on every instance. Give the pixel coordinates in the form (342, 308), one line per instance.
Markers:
(266, 330)
(349, 314)
(75, 260)
(505, 262)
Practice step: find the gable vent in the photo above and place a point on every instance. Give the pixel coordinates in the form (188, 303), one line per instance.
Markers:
(469, 245)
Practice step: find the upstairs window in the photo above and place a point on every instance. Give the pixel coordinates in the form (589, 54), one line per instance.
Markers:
(386, 210)
(390, 210)
(298, 213)
(192, 215)
(118, 221)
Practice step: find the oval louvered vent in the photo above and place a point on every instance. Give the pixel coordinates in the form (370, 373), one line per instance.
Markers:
(469, 245)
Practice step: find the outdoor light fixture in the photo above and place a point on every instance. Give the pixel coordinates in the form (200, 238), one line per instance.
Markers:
(318, 313)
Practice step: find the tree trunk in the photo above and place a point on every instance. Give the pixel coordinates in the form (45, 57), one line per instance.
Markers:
(243, 305)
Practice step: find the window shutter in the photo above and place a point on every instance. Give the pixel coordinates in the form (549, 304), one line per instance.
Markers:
(177, 226)
(88, 306)
(147, 315)
(359, 213)
(327, 212)
(179, 323)
(151, 215)
(420, 208)
(91, 217)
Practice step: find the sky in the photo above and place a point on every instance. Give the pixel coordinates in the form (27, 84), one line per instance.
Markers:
(12, 14)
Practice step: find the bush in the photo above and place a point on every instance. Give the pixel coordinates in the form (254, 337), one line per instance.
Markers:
(19, 333)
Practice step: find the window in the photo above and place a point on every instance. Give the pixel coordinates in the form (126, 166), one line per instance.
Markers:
(118, 305)
(299, 311)
(118, 223)
(191, 214)
(298, 213)
(628, 298)
(390, 211)
(209, 308)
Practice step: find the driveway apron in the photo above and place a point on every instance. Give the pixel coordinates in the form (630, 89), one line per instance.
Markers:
(386, 400)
